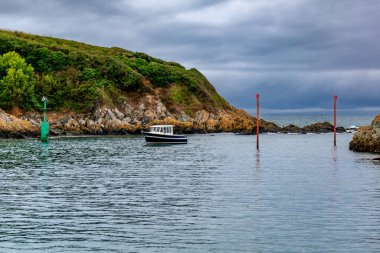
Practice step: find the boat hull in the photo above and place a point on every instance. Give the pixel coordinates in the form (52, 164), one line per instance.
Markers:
(166, 139)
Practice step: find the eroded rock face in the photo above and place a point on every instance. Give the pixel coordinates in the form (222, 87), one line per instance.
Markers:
(367, 138)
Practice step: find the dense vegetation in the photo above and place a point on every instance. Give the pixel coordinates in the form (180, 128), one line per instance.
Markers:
(78, 76)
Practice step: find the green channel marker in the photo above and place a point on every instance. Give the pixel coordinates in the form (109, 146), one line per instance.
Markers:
(44, 125)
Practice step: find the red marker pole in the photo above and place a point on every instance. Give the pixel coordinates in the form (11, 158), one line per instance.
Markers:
(257, 120)
(335, 98)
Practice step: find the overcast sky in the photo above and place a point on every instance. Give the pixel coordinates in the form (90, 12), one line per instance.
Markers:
(296, 54)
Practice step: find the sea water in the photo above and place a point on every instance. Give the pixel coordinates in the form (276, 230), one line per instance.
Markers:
(298, 193)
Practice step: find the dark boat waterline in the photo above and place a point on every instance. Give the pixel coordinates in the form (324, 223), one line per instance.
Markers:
(169, 139)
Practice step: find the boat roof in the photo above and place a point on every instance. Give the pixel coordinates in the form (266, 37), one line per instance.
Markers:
(162, 126)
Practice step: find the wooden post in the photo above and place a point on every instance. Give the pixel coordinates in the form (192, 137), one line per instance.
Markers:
(335, 98)
(257, 120)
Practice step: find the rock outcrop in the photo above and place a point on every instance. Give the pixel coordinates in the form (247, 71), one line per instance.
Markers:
(13, 127)
(367, 138)
(319, 127)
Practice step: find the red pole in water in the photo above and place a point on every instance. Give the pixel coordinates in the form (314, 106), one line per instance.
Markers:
(335, 98)
(257, 120)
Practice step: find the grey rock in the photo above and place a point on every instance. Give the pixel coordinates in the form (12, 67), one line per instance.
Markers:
(72, 122)
(138, 115)
(201, 116)
(128, 110)
(90, 123)
(141, 107)
(367, 138)
(136, 121)
(118, 114)
(82, 122)
(35, 123)
(184, 117)
(149, 116)
(109, 115)
(161, 110)
(127, 120)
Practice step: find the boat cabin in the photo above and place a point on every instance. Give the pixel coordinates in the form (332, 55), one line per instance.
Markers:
(162, 129)
(164, 134)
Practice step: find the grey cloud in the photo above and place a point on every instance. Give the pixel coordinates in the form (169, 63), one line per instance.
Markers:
(302, 90)
(296, 52)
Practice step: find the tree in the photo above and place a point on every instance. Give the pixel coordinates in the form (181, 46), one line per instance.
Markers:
(16, 82)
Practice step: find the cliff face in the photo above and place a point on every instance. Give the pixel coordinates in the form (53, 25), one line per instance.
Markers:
(367, 138)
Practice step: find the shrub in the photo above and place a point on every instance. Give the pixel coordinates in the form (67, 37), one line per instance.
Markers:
(123, 76)
(17, 82)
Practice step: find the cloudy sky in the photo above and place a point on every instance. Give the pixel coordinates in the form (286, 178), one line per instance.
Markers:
(296, 53)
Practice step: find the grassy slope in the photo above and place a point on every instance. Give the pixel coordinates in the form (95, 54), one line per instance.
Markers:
(80, 77)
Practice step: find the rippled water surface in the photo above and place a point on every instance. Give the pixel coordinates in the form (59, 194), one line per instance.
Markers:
(215, 194)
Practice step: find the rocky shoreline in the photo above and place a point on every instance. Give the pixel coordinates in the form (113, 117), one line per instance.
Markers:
(131, 120)
(367, 138)
(319, 127)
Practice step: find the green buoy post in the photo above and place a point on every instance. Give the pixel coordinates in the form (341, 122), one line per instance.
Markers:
(44, 125)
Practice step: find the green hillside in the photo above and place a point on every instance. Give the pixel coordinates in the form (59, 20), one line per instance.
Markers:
(80, 77)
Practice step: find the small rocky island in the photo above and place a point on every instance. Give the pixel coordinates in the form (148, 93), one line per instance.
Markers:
(367, 138)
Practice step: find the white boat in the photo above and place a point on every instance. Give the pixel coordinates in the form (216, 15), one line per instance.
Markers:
(164, 134)
(352, 129)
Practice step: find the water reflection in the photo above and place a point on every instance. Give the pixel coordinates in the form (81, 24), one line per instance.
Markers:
(335, 158)
(258, 165)
(44, 151)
